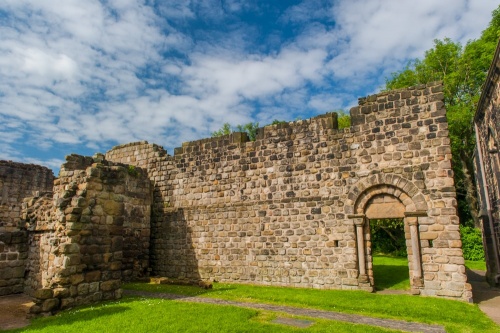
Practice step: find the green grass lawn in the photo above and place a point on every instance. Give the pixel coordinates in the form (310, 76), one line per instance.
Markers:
(456, 316)
(391, 273)
(135, 314)
(475, 265)
(154, 315)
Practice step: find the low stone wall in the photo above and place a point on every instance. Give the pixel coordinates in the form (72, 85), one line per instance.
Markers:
(38, 215)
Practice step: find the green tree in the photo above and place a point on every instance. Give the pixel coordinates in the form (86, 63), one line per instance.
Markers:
(343, 119)
(250, 129)
(463, 71)
(224, 130)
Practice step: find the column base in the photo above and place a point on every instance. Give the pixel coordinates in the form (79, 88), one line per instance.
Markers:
(363, 278)
(417, 282)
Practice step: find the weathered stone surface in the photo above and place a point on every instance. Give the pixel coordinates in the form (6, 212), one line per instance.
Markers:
(487, 167)
(291, 208)
(110, 285)
(44, 293)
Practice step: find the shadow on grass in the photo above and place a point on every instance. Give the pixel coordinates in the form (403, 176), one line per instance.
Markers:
(79, 314)
(180, 290)
(391, 273)
(390, 277)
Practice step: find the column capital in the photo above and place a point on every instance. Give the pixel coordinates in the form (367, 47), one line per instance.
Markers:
(357, 219)
(411, 221)
(418, 213)
(355, 216)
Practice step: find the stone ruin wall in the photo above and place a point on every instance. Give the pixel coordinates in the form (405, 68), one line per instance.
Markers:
(487, 122)
(17, 181)
(86, 236)
(293, 207)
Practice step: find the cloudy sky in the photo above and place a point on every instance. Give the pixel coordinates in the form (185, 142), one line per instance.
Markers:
(82, 76)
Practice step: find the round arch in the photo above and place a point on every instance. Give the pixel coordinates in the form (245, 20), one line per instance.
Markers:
(402, 189)
(387, 196)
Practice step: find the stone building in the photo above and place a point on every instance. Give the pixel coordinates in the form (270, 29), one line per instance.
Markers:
(292, 208)
(487, 158)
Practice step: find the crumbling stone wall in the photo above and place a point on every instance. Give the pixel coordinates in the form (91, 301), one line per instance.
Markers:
(39, 212)
(92, 235)
(293, 207)
(487, 126)
(17, 181)
(13, 254)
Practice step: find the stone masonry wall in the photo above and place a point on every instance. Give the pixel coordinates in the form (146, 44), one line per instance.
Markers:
(93, 235)
(38, 213)
(17, 181)
(13, 254)
(487, 122)
(293, 207)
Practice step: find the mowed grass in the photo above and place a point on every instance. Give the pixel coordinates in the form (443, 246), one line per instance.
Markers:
(475, 265)
(391, 273)
(134, 314)
(455, 316)
(138, 314)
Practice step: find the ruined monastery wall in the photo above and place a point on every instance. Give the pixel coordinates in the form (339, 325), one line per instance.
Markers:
(91, 234)
(17, 181)
(293, 207)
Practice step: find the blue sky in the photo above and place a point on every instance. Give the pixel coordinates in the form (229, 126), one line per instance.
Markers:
(82, 76)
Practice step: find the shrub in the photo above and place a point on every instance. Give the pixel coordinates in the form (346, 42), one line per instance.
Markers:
(472, 243)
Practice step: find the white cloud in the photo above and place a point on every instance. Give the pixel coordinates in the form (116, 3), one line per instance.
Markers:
(380, 33)
(93, 74)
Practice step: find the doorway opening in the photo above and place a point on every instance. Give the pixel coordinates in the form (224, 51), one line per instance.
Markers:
(389, 254)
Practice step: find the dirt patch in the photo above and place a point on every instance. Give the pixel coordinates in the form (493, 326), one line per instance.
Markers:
(14, 311)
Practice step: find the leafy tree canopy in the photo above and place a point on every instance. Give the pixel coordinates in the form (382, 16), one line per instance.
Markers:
(463, 70)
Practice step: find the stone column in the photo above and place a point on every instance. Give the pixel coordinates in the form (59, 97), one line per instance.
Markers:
(359, 222)
(412, 221)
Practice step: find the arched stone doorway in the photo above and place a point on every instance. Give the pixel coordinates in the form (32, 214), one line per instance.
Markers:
(387, 201)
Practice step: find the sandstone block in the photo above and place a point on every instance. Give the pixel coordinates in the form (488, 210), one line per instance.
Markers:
(44, 293)
(110, 285)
